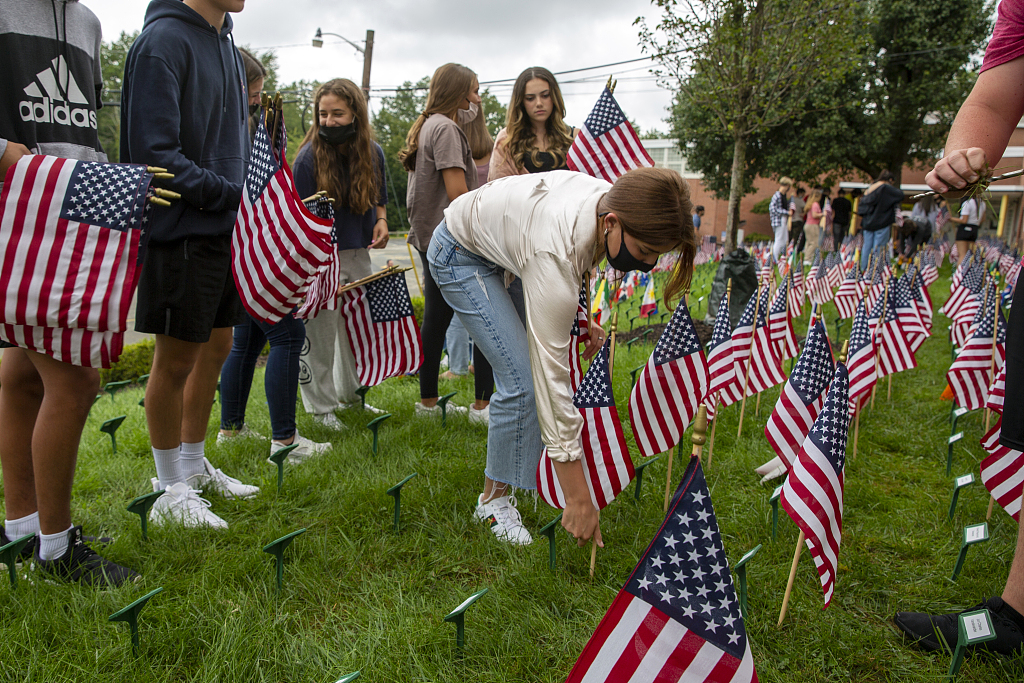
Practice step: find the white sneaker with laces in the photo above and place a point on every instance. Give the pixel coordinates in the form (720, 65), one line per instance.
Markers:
(213, 479)
(436, 409)
(307, 449)
(480, 417)
(182, 505)
(359, 405)
(329, 420)
(243, 433)
(503, 517)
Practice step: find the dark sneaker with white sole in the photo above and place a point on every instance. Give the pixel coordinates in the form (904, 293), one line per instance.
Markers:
(940, 632)
(81, 564)
(27, 552)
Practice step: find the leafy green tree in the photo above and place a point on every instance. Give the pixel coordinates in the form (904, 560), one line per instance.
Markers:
(748, 63)
(108, 120)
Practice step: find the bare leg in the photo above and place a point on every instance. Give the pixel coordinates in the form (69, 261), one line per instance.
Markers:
(21, 393)
(1013, 593)
(173, 360)
(201, 385)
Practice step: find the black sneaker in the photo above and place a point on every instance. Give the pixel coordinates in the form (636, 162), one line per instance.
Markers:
(941, 631)
(27, 552)
(81, 564)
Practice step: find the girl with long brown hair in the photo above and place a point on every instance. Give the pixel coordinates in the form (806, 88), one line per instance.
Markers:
(549, 230)
(439, 159)
(339, 155)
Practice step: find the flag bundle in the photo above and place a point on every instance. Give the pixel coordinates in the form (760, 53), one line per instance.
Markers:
(607, 146)
(382, 330)
(677, 618)
(322, 294)
(70, 232)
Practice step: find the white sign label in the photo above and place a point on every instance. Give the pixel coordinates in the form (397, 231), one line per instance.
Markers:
(748, 556)
(956, 437)
(960, 412)
(977, 626)
(978, 532)
(965, 480)
(776, 493)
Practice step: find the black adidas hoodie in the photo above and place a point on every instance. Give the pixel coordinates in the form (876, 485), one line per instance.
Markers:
(50, 78)
(183, 108)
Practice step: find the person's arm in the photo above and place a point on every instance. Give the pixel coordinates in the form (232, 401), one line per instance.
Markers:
(380, 226)
(982, 127)
(501, 164)
(815, 211)
(11, 152)
(454, 182)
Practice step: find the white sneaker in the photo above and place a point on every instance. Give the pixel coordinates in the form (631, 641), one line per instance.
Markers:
(359, 404)
(307, 449)
(182, 505)
(329, 420)
(773, 469)
(503, 517)
(243, 433)
(436, 409)
(215, 480)
(480, 417)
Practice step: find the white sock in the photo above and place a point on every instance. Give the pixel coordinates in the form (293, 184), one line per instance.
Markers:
(191, 459)
(168, 470)
(52, 546)
(18, 528)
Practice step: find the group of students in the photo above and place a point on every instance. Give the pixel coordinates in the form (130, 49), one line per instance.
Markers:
(803, 218)
(505, 236)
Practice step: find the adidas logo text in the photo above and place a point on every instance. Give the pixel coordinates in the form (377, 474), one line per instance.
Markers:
(57, 104)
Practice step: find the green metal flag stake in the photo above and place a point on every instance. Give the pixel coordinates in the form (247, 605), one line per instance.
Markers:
(277, 550)
(549, 531)
(142, 379)
(954, 415)
(973, 628)
(632, 341)
(374, 426)
(634, 371)
(141, 505)
(960, 482)
(774, 500)
(458, 617)
(348, 678)
(9, 555)
(396, 493)
(110, 427)
(142, 402)
(949, 456)
(113, 387)
(741, 575)
(975, 533)
(361, 393)
(443, 402)
(130, 615)
(639, 470)
(278, 458)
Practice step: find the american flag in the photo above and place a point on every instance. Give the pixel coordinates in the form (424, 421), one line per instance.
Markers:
(780, 323)
(849, 293)
(607, 466)
(754, 344)
(819, 288)
(677, 618)
(802, 396)
(861, 357)
(322, 294)
(970, 374)
(607, 146)
(929, 273)
(706, 252)
(835, 269)
(1002, 472)
(1013, 273)
(382, 330)
(923, 301)
(964, 292)
(580, 330)
(997, 392)
(796, 291)
(721, 367)
(278, 245)
(813, 493)
(968, 315)
(908, 313)
(894, 352)
(670, 387)
(70, 233)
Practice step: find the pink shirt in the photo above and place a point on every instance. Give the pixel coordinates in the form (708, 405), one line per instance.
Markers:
(1007, 41)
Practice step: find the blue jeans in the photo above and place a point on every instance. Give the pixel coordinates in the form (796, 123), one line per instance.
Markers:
(474, 288)
(874, 241)
(281, 381)
(459, 347)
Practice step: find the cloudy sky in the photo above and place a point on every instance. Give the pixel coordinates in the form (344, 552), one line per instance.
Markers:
(497, 40)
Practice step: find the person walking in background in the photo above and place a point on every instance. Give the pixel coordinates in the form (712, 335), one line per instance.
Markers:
(698, 214)
(922, 223)
(967, 225)
(183, 108)
(797, 210)
(779, 215)
(842, 209)
(812, 226)
(286, 337)
(440, 163)
(877, 209)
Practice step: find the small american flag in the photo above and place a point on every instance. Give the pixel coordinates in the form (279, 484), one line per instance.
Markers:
(677, 618)
(923, 301)
(70, 233)
(1002, 472)
(765, 364)
(908, 313)
(849, 293)
(968, 315)
(997, 392)
(813, 493)
(278, 246)
(802, 396)
(894, 352)
(607, 146)
(721, 368)
(969, 375)
(607, 466)
(861, 357)
(670, 387)
(929, 273)
(965, 292)
(780, 323)
(322, 294)
(796, 291)
(382, 330)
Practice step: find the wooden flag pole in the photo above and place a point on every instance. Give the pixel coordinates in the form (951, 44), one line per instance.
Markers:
(714, 421)
(856, 430)
(415, 272)
(390, 270)
(792, 575)
(750, 355)
(878, 329)
(991, 505)
(611, 364)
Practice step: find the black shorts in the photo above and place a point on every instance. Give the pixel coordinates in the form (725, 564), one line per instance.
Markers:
(965, 232)
(186, 289)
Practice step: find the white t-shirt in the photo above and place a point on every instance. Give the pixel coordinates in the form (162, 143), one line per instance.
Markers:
(969, 210)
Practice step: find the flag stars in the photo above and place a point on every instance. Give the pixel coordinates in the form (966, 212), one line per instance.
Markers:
(661, 579)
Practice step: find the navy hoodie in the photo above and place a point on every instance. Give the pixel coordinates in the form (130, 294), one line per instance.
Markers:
(183, 108)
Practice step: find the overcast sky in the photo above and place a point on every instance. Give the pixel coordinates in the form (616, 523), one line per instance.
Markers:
(497, 40)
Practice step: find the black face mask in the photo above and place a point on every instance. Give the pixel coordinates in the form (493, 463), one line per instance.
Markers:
(253, 108)
(624, 261)
(336, 135)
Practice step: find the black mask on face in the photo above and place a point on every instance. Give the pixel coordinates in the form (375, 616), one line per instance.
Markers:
(336, 135)
(624, 261)
(253, 108)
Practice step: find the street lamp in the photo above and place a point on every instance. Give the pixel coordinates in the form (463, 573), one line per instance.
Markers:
(367, 52)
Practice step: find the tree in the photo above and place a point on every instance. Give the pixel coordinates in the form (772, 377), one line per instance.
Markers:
(108, 119)
(748, 64)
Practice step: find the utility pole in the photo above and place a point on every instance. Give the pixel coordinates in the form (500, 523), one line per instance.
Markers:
(367, 59)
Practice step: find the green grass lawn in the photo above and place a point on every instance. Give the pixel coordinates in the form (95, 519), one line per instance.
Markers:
(359, 596)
